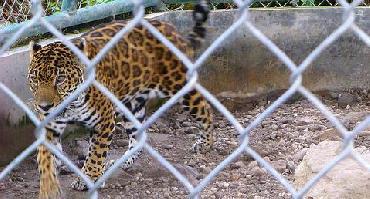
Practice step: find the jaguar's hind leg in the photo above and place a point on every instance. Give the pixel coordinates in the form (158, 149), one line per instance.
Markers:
(195, 104)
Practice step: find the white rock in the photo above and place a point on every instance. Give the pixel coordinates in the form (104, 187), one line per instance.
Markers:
(225, 184)
(345, 180)
(300, 155)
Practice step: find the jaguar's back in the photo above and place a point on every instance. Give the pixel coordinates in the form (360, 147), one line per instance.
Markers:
(139, 61)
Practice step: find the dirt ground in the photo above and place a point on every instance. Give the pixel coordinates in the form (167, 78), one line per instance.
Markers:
(281, 139)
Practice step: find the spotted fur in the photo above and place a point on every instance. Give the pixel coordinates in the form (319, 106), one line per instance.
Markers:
(137, 68)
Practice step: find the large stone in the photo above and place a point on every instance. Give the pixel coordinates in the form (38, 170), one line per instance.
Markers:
(328, 134)
(345, 99)
(348, 179)
(353, 118)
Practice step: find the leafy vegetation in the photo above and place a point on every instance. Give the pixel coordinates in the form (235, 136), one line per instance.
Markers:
(52, 6)
(13, 14)
(308, 2)
(85, 3)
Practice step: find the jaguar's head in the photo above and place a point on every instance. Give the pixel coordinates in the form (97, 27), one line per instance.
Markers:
(54, 72)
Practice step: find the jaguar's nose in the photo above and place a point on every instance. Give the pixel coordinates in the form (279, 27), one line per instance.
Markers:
(45, 106)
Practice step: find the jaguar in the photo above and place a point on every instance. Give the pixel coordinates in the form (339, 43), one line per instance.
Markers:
(138, 68)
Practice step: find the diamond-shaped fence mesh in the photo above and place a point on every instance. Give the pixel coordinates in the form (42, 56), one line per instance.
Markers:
(15, 11)
(296, 86)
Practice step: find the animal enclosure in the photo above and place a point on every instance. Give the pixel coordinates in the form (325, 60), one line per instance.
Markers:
(259, 70)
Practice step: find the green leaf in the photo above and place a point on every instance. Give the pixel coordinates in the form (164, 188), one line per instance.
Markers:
(308, 2)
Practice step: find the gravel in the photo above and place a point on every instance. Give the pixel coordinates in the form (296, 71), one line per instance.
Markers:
(281, 139)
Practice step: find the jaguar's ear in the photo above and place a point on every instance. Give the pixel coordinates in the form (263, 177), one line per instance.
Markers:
(34, 47)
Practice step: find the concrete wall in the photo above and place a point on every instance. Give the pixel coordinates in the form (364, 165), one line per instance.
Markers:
(242, 66)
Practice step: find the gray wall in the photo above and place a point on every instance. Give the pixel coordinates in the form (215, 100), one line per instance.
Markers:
(241, 67)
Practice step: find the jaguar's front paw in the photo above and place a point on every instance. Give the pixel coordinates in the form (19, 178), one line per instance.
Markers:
(201, 147)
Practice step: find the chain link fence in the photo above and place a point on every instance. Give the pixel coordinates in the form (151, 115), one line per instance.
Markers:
(15, 11)
(194, 191)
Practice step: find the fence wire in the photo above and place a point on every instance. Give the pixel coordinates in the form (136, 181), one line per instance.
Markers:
(192, 82)
(15, 11)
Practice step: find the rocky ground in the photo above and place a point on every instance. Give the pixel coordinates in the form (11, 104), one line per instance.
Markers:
(282, 139)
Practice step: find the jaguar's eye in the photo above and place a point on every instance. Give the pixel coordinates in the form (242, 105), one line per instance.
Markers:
(60, 79)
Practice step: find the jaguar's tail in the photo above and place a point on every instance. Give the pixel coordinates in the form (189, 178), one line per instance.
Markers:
(200, 16)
